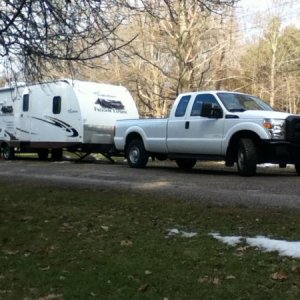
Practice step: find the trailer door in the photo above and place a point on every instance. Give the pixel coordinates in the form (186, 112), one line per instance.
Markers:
(23, 122)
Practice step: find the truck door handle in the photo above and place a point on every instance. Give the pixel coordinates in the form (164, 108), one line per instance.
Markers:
(187, 125)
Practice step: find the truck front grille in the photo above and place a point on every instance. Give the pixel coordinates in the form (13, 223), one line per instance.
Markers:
(293, 129)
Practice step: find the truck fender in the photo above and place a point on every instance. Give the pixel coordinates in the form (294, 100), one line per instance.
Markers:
(135, 132)
(244, 128)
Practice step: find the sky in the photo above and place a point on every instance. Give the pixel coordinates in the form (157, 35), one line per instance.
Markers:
(252, 14)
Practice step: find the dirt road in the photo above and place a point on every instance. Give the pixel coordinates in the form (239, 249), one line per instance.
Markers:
(210, 184)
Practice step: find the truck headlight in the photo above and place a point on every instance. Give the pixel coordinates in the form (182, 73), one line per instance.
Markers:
(276, 128)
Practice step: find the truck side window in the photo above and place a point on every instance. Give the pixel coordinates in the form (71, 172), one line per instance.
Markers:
(26, 102)
(56, 108)
(197, 105)
(182, 106)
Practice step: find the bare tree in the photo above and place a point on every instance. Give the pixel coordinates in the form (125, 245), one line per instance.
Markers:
(175, 49)
(36, 36)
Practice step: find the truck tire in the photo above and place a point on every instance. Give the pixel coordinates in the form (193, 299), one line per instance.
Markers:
(186, 163)
(43, 154)
(246, 157)
(136, 154)
(7, 153)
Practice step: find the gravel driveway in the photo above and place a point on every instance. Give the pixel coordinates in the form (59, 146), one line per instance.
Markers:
(208, 183)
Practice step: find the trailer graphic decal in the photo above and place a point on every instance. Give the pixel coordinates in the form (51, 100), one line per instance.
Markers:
(7, 109)
(24, 131)
(110, 104)
(61, 124)
(12, 137)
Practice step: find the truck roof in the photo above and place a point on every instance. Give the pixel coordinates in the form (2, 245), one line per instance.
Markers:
(212, 92)
(72, 82)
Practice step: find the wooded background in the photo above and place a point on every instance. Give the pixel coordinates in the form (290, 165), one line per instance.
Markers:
(156, 48)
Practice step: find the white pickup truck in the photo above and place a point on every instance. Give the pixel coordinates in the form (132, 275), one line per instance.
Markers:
(214, 125)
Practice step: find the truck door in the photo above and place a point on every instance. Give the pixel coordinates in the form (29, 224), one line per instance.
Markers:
(176, 131)
(196, 134)
(204, 135)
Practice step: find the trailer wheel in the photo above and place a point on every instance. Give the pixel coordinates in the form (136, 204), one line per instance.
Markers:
(7, 153)
(43, 154)
(56, 154)
(297, 168)
(246, 157)
(136, 154)
(186, 163)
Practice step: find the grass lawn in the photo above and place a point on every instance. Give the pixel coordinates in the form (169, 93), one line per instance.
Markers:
(63, 243)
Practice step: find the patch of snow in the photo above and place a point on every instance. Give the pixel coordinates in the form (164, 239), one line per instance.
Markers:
(175, 231)
(229, 240)
(284, 248)
(268, 165)
(188, 234)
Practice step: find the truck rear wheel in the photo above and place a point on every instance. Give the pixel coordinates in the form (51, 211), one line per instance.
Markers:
(136, 154)
(246, 157)
(7, 153)
(186, 163)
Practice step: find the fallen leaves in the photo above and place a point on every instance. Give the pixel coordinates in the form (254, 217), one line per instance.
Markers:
(215, 280)
(295, 269)
(143, 288)
(52, 297)
(44, 268)
(280, 275)
(105, 228)
(126, 243)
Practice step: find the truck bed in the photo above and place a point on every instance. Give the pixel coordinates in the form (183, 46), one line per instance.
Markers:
(153, 130)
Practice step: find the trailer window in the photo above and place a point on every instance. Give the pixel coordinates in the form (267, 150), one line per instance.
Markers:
(56, 109)
(26, 102)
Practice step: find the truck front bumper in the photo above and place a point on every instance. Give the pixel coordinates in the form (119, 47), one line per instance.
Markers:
(279, 152)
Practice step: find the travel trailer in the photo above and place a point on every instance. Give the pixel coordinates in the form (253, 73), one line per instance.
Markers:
(72, 115)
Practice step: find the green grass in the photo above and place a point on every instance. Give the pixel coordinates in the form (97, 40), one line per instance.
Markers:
(104, 244)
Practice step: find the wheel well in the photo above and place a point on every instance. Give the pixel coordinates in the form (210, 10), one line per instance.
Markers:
(4, 144)
(231, 153)
(132, 136)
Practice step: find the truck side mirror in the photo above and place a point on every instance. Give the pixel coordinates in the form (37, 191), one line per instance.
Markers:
(210, 110)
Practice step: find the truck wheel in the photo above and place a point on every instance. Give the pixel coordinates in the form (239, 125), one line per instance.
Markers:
(136, 154)
(43, 154)
(246, 157)
(56, 154)
(7, 153)
(297, 168)
(186, 163)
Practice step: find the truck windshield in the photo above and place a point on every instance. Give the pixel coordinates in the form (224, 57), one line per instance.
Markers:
(241, 102)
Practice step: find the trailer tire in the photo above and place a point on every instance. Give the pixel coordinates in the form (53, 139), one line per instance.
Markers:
(7, 153)
(246, 157)
(297, 168)
(57, 154)
(43, 154)
(136, 154)
(186, 163)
